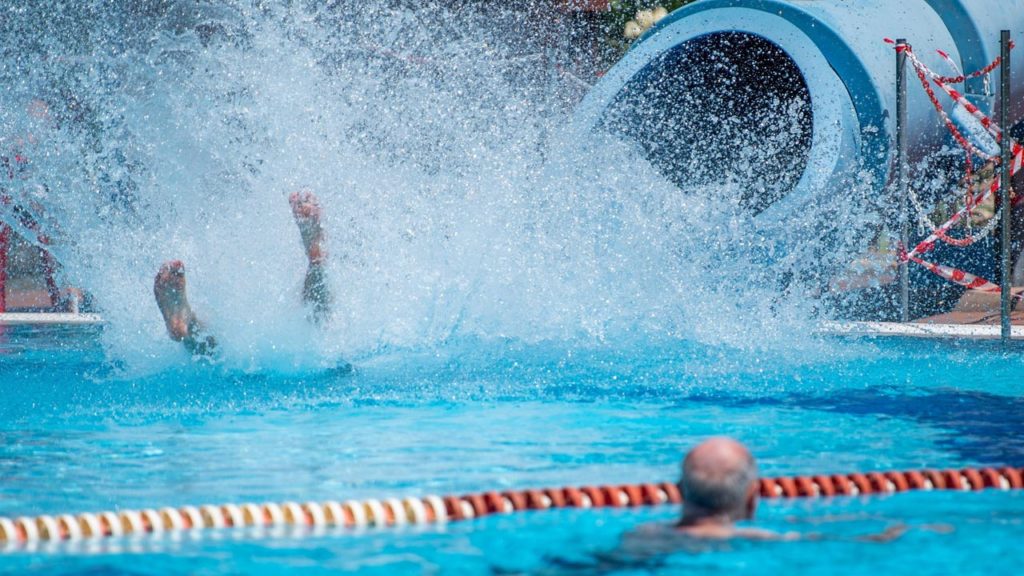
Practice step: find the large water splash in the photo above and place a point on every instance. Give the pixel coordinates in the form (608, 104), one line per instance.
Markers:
(459, 204)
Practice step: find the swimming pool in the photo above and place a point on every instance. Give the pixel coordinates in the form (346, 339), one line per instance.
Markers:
(470, 416)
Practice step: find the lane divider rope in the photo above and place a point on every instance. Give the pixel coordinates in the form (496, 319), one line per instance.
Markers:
(371, 513)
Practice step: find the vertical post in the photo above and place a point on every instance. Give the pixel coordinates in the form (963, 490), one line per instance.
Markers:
(1004, 184)
(5, 244)
(901, 171)
(50, 272)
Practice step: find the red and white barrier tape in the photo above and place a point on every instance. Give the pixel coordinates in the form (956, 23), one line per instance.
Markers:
(957, 276)
(961, 78)
(393, 512)
(923, 74)
(925, 223)
(940, 233)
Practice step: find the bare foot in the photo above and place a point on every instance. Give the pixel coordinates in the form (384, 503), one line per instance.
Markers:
(307, 212)
(181, 322)
(169, 289)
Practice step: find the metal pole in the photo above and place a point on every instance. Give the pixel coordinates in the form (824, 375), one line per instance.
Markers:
(5, 245)
(1004, 183)
(901, 171)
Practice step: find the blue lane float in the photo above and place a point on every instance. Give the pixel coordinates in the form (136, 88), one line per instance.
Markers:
(828, 55)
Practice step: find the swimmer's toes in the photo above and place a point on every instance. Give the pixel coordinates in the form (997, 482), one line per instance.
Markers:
(169, 290)
(170, 278)
(305, 206)
(171, 268)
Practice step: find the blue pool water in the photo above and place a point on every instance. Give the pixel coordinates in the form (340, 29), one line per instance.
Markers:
(78, 435)
(524, 305)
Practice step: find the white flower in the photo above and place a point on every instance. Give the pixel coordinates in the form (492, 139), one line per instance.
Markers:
(645, 18)
(633, 30)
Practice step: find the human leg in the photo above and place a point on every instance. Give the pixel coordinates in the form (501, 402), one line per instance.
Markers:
(182, 323)
(315, 293)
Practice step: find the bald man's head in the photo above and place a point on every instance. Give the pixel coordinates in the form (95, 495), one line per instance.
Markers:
(720, 477)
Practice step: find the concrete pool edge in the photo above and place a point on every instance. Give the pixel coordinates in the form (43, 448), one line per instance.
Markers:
(917, 330)
(48, 318)
(828, 327)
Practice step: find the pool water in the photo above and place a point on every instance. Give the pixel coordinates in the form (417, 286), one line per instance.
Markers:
(80, 433)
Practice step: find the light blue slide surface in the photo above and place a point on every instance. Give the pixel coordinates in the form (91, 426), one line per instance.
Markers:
(848, 69)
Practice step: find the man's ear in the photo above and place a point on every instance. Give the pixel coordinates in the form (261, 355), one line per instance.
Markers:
(752, 494)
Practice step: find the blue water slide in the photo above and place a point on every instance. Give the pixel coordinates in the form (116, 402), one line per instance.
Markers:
(839, 63)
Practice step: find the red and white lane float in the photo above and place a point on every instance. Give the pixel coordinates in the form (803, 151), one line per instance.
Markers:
(431, 510)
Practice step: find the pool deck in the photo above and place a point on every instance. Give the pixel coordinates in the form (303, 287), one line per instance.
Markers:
(47, 318)
(945, 326)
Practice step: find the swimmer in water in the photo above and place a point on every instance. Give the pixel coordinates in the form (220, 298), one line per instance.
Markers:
(182, 323)
(720, 489)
